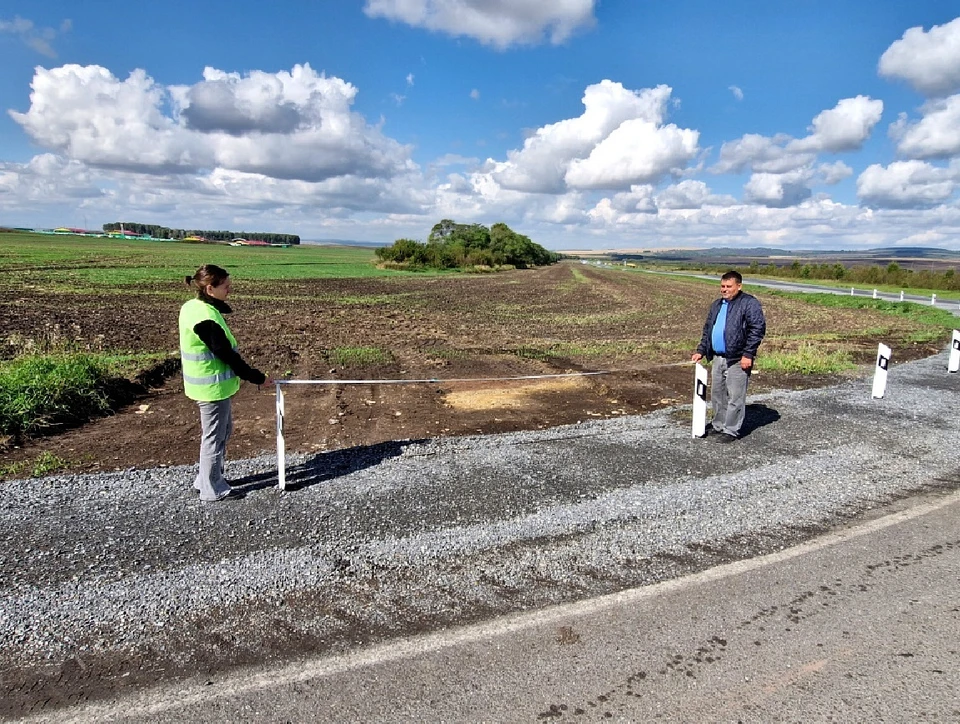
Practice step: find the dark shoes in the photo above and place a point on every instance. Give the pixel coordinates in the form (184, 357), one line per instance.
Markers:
(228, 495)
(723, 438)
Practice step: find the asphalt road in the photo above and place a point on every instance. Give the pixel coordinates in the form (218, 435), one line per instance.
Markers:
(859, 625)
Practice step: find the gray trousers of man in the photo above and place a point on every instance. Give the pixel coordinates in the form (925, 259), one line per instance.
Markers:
(216, 424)
(728, 394)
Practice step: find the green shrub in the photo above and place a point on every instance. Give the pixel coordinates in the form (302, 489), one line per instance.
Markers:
(43, 391)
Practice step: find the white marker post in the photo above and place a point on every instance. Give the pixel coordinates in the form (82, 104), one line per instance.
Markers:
(901, 295)
(851, 291)
(954, 364)
(933, 300)
(880, 375)
(700, 401)
(874, 293)
(281, 445)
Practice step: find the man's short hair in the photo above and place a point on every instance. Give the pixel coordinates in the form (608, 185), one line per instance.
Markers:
(732, 274)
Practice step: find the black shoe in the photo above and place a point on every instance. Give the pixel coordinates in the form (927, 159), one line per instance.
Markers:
(723, 438)
(231, 495)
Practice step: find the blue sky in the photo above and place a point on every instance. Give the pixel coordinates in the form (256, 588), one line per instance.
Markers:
(581, 123)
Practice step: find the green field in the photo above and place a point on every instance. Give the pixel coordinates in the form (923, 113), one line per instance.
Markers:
(64, 263)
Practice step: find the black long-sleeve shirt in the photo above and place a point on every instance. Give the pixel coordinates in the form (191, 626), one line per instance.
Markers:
(212, 335)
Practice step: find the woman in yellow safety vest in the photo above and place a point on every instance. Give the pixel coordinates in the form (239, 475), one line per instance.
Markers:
(212, 370)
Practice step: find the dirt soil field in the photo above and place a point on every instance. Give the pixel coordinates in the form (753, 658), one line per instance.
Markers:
(565, 318)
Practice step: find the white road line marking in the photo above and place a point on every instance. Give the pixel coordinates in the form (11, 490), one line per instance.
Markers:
(157, 700)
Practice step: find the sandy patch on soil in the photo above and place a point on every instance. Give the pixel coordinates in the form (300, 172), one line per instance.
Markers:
(513, 396)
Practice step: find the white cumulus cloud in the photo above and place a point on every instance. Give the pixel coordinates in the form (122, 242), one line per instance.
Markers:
(619, 140)
(286, 125)
(906, 185)
(778, 190)
(765, 154)
(927, 60)
(500, 23)
(737, 92)
(783, 167)
(47, 179)
(936, 135)
(638, 200)
(637, 151)
(842, 128)
(833, 173)
(691, 194)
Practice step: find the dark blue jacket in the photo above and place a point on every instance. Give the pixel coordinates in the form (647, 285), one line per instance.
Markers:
(744, 331)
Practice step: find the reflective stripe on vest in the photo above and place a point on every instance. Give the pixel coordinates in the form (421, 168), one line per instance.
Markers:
(203, 357)
(211, 380)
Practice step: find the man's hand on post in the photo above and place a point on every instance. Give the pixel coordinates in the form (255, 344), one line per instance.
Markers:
(746, 363)
(696, 357)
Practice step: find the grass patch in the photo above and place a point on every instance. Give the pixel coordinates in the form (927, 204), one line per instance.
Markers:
(932, 322)
(370, 300)
(925, 336)
(925, 314)
(80, 264)
(48, 390)
(809, 359)
(447, 353)
(44, 464)
(358, 356)
(612, 349)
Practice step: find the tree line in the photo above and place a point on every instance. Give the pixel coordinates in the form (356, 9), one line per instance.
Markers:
(892, 274)
(163, 232)
(465, 246)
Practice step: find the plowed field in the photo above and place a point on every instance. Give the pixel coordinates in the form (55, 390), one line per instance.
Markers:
(565, 318)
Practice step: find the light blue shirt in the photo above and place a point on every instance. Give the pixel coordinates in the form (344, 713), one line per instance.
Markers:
(719, 327)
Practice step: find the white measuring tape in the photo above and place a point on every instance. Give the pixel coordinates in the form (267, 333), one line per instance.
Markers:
(434, 380)
(281, 444)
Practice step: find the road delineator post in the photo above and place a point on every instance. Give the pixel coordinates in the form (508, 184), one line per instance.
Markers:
(699, 401)
(880, 374)
(281, 445)
(954, 364)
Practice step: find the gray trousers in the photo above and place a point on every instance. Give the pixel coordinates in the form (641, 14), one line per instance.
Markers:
(728, 393)
(216, 424)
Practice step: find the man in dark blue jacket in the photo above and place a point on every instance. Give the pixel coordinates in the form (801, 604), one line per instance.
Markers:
(733, 332)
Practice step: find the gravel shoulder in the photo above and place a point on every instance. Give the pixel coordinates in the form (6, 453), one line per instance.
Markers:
(121, 580)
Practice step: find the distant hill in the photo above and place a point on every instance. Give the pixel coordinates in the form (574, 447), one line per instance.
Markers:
(346, 242)
(761, 253)
(909, 252)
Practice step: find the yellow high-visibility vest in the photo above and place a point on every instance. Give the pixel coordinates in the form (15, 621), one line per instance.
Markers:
(205, 377)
